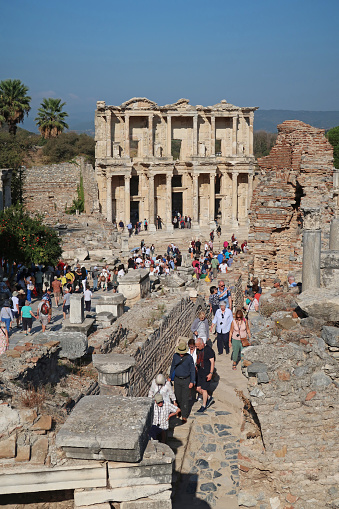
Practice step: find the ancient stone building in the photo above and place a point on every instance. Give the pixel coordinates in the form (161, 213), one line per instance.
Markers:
(298, 173)
(154, 160)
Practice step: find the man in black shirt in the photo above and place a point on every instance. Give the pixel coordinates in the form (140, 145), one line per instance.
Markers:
(205, 366)
(183, 373)
(198, 246)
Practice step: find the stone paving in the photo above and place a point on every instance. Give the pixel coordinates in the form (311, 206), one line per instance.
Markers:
(207, 447)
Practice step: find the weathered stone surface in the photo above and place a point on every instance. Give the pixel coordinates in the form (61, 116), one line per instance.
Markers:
(73, 345)
(9, 418)
(8, 448)
(119, 435)
(246, 499)
(104, 318)
(44, 423)
(76, 314)
(135, 284)
(322, 304)
(256, 367)
(85, 327)
(39, 450)
(23, 453)
(147, 504)
(113, 303)
(126, 494)
(113, 368)
(330, 335)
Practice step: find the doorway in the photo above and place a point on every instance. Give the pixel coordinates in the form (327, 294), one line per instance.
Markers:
(176, 203)
(134, 211)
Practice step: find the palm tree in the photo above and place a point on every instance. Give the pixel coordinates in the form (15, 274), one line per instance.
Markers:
(14, 103)
(50, 119)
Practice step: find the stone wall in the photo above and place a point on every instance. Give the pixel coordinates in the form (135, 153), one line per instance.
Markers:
(50, 189)
(298, 172)
(291, 454)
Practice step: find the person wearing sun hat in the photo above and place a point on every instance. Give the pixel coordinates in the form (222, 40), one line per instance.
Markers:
(182, 372)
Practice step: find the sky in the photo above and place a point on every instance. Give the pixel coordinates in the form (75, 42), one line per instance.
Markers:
(275, 54)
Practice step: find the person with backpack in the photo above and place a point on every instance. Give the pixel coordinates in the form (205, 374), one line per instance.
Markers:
(6, 315)
(43, 312)
(27, 316)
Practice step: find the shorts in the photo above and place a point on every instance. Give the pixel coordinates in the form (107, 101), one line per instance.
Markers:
(43, 319)
(15, 314)
(201, 380)
(65, 309)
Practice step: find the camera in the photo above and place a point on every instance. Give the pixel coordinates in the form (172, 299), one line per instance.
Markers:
(237, 335)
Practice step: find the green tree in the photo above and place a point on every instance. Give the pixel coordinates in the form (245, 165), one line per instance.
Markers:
(263, 143)
(69, 145)
(333, 138)
(51, 118)
(14, 103)
(26, 239)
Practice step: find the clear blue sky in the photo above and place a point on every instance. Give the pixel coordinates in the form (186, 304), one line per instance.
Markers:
(275, 54)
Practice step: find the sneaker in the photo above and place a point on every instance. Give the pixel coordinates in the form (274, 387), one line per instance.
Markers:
(209, 401)
(201, 410)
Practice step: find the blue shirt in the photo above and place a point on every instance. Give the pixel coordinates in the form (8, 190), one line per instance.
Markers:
(220, 257)
(186, 368)
(224, 297)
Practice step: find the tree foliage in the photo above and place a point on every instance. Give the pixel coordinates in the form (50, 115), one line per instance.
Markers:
(263, 143)
(69, 145)
(333, 138)
(26, 239)
(51, 118)
(14, 103)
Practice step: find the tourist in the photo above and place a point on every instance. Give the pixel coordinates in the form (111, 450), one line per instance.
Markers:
(83, 278)
(252, 303)
(6, 315)
(196, 266)
(198, 247)
(213, 299)
(239, 330)
(215, 265)
(95, 274)
(15, 308)
(205, 369)
(88, 299)
(130, 228)
(162, 412)
(121, 225)
(222, 320)
(27, 316)
(159, 222)
(145, 225)
(43, 312)
(30, 288)
(103, 278)
(121, 271)
(115, 282)
(48, 294)
(224, 294)
(223, 267)
(164, 387)
(200, 327)
(206, 248)
(22, 301)
(291, 282)
(56, 285)
(218, 230)
(175, 222)
(192, 350)
(4, 341)
(38, 281)
(66, 303)
(182, 372)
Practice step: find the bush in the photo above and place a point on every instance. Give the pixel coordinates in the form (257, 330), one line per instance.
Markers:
(69, 145)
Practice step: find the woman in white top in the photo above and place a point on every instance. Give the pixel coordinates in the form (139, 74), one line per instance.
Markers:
(160, 385)
(223, 267)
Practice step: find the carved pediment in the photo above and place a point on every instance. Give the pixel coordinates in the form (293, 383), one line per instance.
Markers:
(139, 103)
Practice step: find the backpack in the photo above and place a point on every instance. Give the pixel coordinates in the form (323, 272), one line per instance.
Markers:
(44, 308)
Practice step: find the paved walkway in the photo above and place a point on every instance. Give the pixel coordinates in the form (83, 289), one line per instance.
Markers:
(207, 447)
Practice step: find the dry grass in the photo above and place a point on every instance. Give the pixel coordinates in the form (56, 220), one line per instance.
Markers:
(34, 397)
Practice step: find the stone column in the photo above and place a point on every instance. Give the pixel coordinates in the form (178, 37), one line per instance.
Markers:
(212, 136)
(251, 118)
(151, 203)
(109, 198)
(150, 134)
(311, 248)
(334, 234)
(195, 200)
(127, 199)
(195, 135)
(76, 312)
(212, 198)
(127, 143)
(169, 225)
(169, 136)
(234, 136)
(235, 198)
(250, 188)
(108, 133)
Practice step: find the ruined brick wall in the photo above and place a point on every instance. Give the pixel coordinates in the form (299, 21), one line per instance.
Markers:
(50, 189)
(298, 172)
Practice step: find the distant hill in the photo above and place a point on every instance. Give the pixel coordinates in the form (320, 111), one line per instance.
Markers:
(264, 120)
(267, 120)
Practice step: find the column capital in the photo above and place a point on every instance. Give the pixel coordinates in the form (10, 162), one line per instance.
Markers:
(127, 177)
(235, 174)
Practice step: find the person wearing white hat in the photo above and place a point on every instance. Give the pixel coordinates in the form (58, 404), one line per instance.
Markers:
(162, 386)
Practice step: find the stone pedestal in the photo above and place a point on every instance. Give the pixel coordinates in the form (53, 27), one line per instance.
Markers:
(76, 314)
(114, 370)
(104, 319)
(113, 303)
(135, 284)
(73, 345)
(334, 235)
(113, 428)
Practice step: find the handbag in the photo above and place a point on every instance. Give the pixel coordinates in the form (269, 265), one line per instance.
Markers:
(245, 342)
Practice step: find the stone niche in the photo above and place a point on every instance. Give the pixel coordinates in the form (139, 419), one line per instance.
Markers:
(113, 428)
(135, 284)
